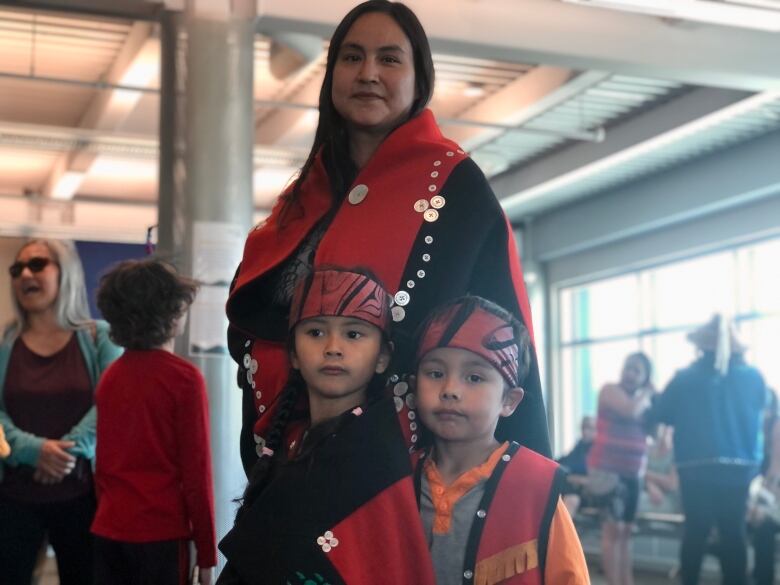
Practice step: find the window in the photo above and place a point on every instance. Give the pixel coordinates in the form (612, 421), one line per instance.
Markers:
(652, 310)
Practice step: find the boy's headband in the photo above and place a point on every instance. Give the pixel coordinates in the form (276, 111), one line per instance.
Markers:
(478, 331)
(341, 293)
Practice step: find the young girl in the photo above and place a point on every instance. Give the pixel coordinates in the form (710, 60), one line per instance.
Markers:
(153, 473)
(331, 499)
(491, 510)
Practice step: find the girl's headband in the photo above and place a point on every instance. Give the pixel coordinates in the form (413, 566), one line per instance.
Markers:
(470, 327)
(340, 293)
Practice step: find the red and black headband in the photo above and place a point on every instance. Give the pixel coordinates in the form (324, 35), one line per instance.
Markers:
(334, 292)
(467, 325)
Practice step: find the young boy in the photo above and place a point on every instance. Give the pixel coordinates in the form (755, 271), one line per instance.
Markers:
(153, 461)
(491, 511)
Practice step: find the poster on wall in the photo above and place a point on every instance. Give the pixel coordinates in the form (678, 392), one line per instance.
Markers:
(216, 252)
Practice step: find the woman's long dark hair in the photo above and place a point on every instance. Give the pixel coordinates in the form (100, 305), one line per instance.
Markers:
(331, 134)
(260, 473)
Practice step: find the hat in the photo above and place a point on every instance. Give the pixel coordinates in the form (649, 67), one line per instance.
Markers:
(466, 324)
(337, 292)
(718, 335)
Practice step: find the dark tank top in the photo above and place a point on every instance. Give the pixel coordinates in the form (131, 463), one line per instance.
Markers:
(47, 396)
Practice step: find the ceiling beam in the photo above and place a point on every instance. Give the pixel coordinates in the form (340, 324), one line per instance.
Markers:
(520, 101)
(570, 36)
(527, 190)
(127, 9)
(136, 64)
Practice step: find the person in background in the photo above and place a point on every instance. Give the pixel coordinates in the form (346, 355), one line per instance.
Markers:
(662, 485)
(576, 460)
(51, 357)
(575, 464)
(153, 468)
(619, 455)
(716, 406)
(472, 359)
(381, 188)
(764, 512)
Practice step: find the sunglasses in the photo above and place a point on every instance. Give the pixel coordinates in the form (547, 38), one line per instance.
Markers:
(35, 265)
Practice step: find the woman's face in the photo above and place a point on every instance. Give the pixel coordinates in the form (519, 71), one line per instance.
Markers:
(373, 79)
(36, 291)
(634, 374)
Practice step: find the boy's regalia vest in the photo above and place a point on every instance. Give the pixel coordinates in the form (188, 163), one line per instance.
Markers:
(508, 540)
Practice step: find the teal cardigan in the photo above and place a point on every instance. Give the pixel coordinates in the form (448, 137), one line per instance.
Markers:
(26, 447)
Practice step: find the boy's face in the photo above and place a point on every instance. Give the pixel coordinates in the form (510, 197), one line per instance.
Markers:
(460, 396)
(337, 356)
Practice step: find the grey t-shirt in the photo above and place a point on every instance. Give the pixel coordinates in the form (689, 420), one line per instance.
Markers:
(448, 551)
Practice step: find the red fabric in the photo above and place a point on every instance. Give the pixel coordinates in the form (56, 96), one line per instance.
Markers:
(516, 268)
(517, 509)
(340, 293)
(392, 553)
(482, 333)
(411, 148)
(153, 467)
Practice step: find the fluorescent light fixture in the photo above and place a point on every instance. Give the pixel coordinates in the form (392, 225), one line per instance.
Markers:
(753, 14)
(67, 185)
(473, 91)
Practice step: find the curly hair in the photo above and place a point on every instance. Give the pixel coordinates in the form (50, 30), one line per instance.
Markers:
(142, 300)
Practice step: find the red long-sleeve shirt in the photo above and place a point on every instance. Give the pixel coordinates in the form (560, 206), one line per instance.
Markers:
(153, 467)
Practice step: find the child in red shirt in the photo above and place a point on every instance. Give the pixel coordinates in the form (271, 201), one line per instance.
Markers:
(153, 462)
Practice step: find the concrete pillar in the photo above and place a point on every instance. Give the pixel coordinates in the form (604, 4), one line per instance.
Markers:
(206, 200)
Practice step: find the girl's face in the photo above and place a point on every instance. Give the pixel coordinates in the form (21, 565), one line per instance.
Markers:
(634, 374)
(337, 357)
(373, 79)
(36, 292)
(461, 396)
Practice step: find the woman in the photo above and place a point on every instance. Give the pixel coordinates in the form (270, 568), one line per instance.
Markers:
(716, 407)
(618, 456)
(381, 188)
(50, 360)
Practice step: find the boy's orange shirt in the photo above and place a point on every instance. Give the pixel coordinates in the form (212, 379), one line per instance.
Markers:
(566, 563)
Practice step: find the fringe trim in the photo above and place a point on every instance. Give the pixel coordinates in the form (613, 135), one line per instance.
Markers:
(509, 562)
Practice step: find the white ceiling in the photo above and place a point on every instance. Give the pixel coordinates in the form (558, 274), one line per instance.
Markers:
(527, 86)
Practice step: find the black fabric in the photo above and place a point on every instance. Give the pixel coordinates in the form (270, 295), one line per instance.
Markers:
(478, 525)
(247, 437)
(559, 481)
(23, 527)
(139, 563)
(276, 538)
(707, 505)
(576, 460)
(764, 547)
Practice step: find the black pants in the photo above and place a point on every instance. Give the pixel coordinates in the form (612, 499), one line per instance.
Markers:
(764, 547)
(164, 562)
(705, 505)
(23, 527)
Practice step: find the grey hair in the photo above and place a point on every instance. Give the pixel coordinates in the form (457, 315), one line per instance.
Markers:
(71, 307)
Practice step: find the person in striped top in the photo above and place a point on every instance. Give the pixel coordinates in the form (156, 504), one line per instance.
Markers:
(618, 458)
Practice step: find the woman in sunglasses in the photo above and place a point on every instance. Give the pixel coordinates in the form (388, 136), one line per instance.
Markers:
(50, 359)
